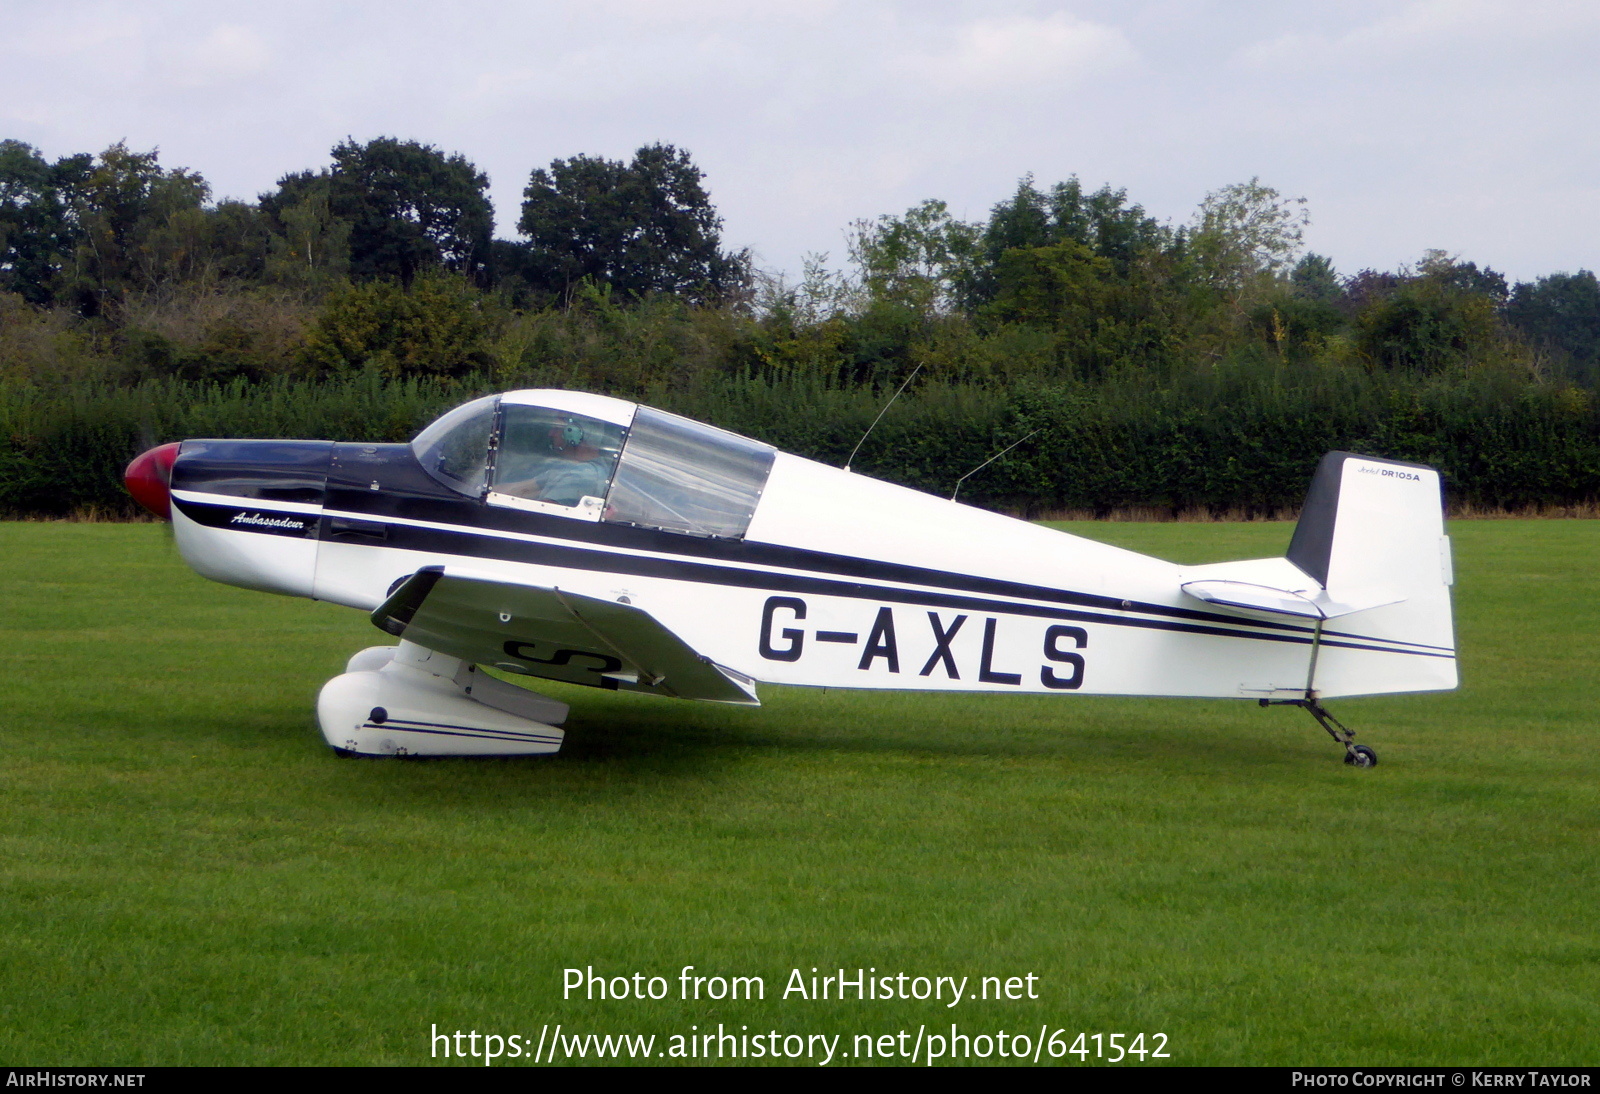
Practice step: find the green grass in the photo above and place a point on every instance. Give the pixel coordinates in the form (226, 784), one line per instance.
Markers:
(189, 876)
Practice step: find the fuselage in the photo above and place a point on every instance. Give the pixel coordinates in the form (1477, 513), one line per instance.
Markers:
(825, 578)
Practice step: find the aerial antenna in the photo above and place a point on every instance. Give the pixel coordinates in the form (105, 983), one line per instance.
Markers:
(879, 418)
(988, 461)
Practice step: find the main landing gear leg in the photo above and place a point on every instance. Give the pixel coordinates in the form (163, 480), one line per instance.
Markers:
(1358, 755)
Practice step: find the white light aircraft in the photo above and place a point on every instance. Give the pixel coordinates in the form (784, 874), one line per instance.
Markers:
(587, 539)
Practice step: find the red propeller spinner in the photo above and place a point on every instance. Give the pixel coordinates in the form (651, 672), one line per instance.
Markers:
(149, 479)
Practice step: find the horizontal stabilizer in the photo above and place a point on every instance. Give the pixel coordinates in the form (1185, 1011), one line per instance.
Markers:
(1277, 587)
(1255, 598)
(1304, 604)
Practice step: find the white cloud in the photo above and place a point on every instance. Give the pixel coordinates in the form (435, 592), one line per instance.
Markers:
(612, 72)
(719, 13)
(1004, 53)
(230, 52)
(1431, 29)
(93, 32)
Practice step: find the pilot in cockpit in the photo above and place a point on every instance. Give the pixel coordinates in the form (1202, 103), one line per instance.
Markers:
(556, 458)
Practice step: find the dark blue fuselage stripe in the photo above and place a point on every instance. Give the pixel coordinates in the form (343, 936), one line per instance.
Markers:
(471, 543)
(484, 519)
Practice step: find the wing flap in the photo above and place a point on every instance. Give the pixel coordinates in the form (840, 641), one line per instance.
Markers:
(553, 633)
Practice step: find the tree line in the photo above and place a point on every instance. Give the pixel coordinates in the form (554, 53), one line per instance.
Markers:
(86, 231)
(1067, 308)
(399, 235)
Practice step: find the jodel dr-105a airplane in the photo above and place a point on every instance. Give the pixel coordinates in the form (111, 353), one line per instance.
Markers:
(582, 538)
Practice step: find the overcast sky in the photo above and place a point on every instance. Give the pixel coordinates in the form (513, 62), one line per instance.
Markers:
(1466, 125)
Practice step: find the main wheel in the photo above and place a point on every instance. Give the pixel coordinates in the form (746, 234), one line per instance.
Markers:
(1361, 756)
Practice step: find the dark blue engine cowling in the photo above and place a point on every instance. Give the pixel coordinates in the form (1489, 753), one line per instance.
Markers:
(265, 471)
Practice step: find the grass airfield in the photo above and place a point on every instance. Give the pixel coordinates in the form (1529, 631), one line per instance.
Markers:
(189, 876)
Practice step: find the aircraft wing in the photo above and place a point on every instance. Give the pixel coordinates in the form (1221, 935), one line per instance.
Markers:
(538, 631)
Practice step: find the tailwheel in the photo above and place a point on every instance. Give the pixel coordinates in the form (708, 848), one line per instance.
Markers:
(1361, 756)
(1354, 754)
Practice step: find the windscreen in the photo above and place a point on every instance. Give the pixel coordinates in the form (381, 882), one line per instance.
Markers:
(686, 477)
(455, 449)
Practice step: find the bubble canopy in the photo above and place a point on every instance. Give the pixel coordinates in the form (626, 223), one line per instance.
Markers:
(592, 457)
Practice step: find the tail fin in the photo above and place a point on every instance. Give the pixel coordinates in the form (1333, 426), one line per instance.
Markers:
(1372, 532)
(1367, 573)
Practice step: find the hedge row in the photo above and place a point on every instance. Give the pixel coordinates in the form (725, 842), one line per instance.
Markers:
(1220, 443)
